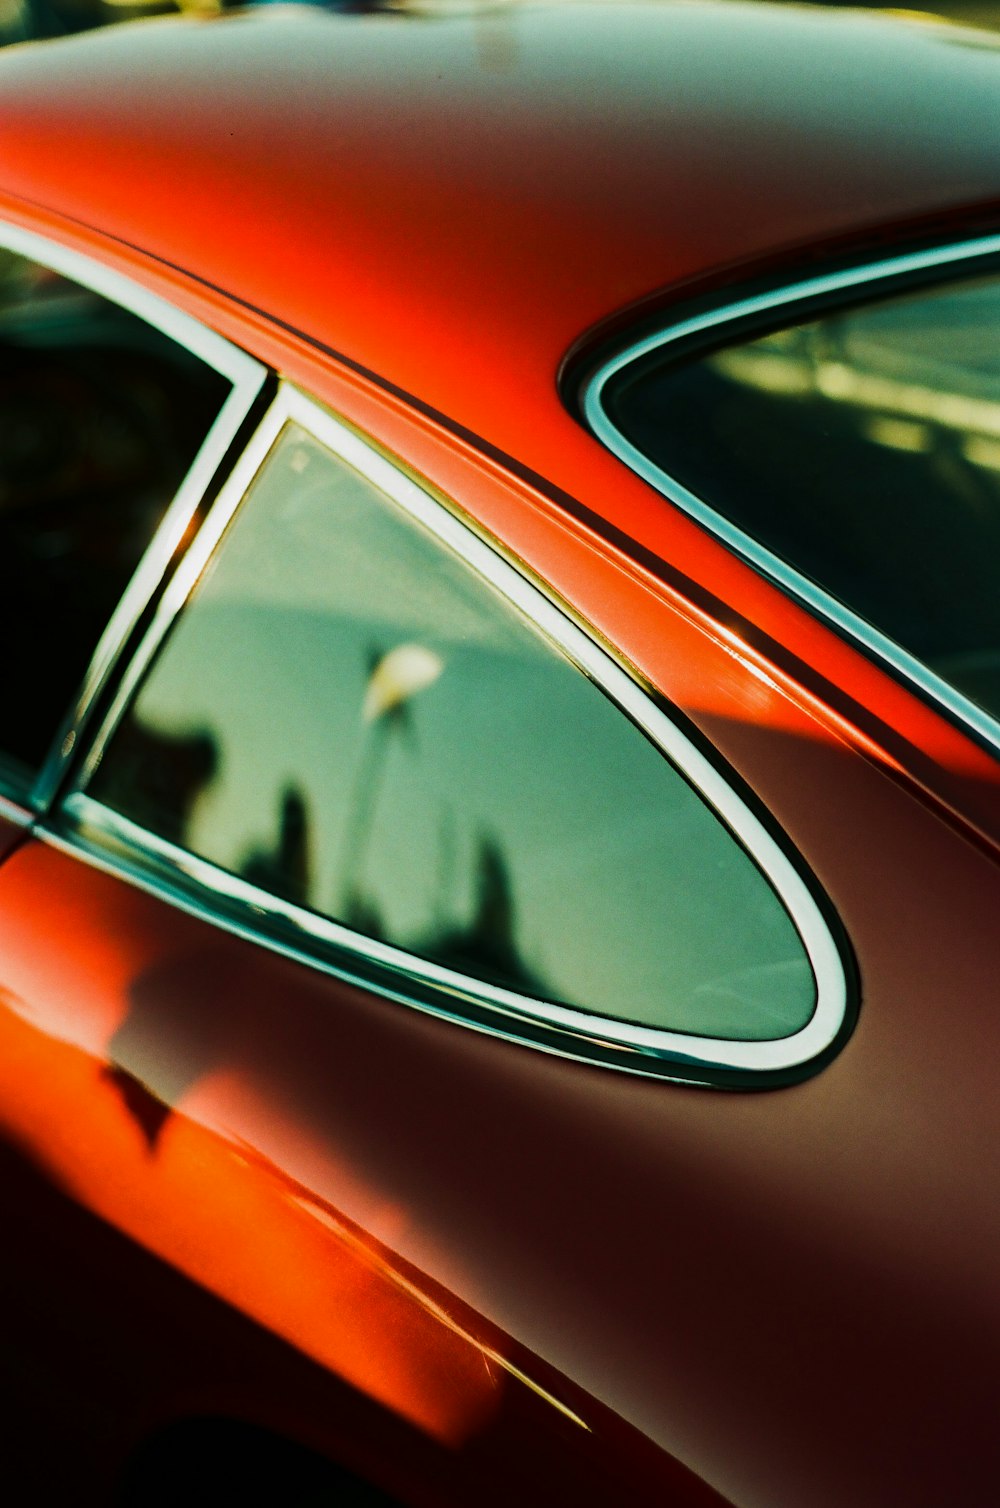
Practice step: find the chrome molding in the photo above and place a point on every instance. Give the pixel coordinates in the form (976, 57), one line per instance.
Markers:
(17, 816)
(116, 844)
(794, 300)
(183, 581)
(247, 377)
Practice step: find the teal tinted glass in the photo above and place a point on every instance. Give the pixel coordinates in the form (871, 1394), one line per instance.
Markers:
(863, 449)
(348, 716)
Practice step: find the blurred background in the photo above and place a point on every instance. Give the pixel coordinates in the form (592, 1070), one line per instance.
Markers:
(23, 20)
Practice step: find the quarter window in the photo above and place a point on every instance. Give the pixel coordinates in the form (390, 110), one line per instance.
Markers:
(348, 716)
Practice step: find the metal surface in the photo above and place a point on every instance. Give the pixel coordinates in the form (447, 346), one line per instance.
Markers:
(17, 816)
(789, 1295)
(569, 1031)
(247, 377)
(790, 303)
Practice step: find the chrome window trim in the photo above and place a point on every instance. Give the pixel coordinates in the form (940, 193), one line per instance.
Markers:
(17, 816)
(247, 377)
(566, 1031)
(790, 298)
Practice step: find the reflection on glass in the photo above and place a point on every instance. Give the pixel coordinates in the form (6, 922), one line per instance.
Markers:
(394, 746)
(394, 679)
(864, 449)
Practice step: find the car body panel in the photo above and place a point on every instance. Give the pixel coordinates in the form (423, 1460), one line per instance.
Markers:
(474, 1253)
(597, 1224)
(219, 1139)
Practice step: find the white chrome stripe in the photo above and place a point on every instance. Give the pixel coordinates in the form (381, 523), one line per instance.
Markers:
(17, 816)
(790, 299)
(190, 567)
(572, 1029)
(83, 842)
(83, 269)
(247, 377)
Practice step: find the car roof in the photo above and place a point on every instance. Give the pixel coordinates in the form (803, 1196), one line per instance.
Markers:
(450, 199)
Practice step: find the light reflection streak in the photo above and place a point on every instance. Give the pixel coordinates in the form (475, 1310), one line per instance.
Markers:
(269, 1244)
(220, 1214)
(794, 376)
(489, 1353)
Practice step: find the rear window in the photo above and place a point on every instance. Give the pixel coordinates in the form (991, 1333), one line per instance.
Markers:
(861, 449)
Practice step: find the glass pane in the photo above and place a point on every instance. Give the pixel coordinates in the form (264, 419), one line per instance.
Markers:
(348, 716)
(864, 449)
(100, 418)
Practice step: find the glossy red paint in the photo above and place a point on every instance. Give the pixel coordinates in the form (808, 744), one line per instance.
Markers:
(154, 1068)
(467, 1270)
(457, 230)
(741, 1278)
(451, 202)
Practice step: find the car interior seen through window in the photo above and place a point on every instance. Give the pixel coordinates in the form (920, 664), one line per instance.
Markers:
(861, 448)
(101, 416)
(347, 715)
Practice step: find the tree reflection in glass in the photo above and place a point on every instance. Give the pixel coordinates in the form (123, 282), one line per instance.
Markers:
(400, 749)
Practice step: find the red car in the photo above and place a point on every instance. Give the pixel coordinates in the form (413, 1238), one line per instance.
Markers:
(500, 907)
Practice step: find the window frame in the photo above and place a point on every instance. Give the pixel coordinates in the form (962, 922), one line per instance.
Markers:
(247, 376)
(773, 309)
(117, 844)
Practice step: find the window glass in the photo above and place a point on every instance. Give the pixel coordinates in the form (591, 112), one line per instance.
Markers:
(862, 448)
(100, 417)
(348, 716)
